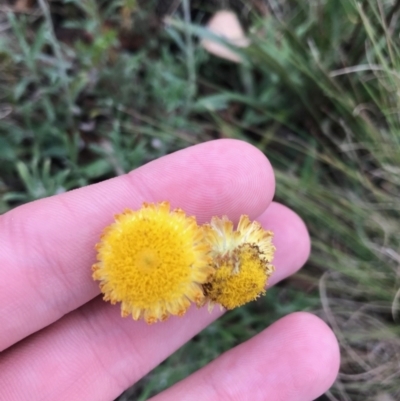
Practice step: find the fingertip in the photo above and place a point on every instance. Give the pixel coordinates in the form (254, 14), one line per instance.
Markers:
(315, 355)
(257, 180)
(297, 359)
(291, 239)
(223, 177)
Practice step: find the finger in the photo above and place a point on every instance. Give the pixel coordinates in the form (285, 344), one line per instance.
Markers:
(295, 359)
(47, 247)
(106, 354)
(291, 240)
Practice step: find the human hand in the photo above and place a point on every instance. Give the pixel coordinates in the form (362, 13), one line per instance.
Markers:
(61, 344)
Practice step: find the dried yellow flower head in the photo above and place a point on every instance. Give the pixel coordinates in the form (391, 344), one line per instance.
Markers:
(153, 261)
(242, 261)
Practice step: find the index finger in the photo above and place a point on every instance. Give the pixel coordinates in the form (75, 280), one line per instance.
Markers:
(47, 246)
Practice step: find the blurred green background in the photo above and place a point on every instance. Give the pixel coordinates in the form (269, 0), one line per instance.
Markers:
(92, 89)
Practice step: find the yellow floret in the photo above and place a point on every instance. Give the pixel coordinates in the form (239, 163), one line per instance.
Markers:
(242, 261)
(153, 261)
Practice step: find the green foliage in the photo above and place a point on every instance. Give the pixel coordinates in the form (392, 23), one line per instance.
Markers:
(82, 109)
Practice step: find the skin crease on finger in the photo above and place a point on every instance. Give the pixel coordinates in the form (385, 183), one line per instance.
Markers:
(47, 246)
(94, 354)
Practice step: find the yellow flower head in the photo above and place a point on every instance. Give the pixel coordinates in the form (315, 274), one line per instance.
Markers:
(153, 261)
(242, 260)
